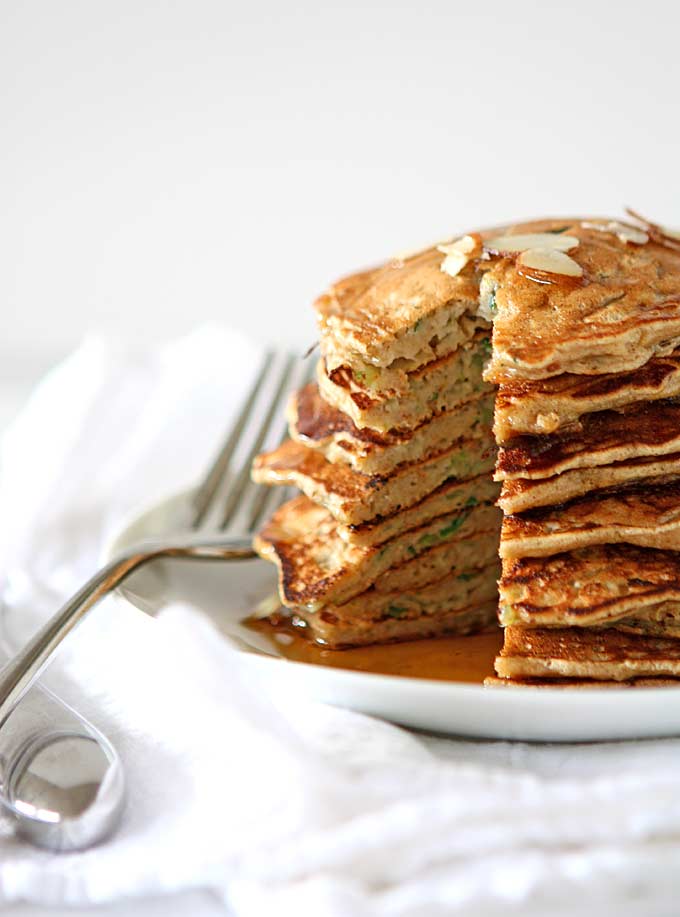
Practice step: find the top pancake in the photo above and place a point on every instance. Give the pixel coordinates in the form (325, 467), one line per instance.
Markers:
(395, 311)
(624, 310)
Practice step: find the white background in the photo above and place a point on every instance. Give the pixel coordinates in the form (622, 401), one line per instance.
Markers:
(163, 163)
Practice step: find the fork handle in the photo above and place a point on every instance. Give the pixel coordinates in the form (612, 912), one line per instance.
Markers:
(21, 672)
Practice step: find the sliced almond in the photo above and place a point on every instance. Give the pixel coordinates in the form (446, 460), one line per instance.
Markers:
(636, 236)
(662, 235)
(459, 252)
(621, 230)
(522, 242)
(551, 261)
(454, 263)
(670, 233)
(467, 245)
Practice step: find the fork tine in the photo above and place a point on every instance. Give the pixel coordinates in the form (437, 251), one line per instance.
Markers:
(205, 495)
(262, 503)
(239, 484)
(309, 371)
(269, 500)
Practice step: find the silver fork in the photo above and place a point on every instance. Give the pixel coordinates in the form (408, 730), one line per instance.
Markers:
(217, 523)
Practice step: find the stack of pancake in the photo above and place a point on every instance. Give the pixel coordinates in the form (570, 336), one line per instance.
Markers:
(396, 532)
(586, 355)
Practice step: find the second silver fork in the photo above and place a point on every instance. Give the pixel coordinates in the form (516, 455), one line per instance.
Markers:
(219, 523)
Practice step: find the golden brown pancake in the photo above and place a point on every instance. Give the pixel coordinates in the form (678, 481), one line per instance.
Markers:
(647, 515)
(642, 431)
(589, 367)
(582, 683)
(662, 620)
(595, 585)
(315, 423)
(393, 312)
(383, 382)
(575, 652)
(549, 405)
(436, 619)
(450, 497)
(443, 384)
(317, 566)
(519, 495)
(623, 311)
(454, 589)
(353, 498)
(470, 552)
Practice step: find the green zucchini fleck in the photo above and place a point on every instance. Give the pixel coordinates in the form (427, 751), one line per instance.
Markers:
(396, 611)
(366, 376)
(486, 414)
(425, 541)
(453, 526)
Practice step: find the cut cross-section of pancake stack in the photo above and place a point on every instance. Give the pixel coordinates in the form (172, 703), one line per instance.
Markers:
(396, 532)
(586, 353)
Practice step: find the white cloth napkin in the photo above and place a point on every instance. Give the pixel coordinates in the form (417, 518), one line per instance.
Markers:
(279, 805)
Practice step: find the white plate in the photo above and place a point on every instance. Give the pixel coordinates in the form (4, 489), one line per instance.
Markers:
(228, 592)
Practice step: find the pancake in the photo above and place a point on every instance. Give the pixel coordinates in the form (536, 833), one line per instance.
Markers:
(441, 385)
(316, 566)
(435, 619)
(552, 404)
(492, 682)
(455, 590)
(519, 495)
(645, 515)
(595, 585)
(401, 310)
(450, 497)
(662, 620)
(315, 423)
(393, 444)
(471, 552)
(394, 380)
(642, 431)
(623, 311)
(353, 498)
(576, 652)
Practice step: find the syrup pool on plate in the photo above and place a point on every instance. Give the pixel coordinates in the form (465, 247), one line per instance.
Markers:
(464, 659)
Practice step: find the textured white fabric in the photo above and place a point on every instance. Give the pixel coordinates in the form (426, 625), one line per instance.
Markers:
(280, 807)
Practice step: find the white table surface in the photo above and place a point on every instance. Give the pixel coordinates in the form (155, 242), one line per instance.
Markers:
(191, 904)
